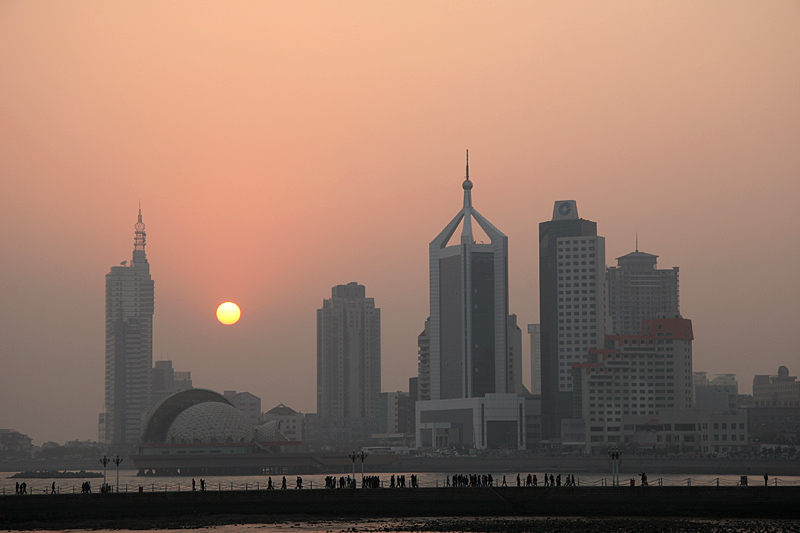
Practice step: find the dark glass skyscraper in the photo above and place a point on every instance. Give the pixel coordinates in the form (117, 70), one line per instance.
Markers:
(469, 309)
(572, 306)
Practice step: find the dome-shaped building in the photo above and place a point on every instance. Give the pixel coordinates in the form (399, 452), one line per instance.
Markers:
(199, 432)
(210, 423)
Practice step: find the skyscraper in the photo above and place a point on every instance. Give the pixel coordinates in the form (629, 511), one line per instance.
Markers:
(469, 308)
(572, 306)
(129, 345)
(637, 291)
(470, 355)
(348, 355)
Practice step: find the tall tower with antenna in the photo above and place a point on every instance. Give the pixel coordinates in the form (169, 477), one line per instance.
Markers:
(129, 345)
(472, 362)
(469, 308)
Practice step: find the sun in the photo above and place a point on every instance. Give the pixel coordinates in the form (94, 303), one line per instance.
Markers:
(228, 313)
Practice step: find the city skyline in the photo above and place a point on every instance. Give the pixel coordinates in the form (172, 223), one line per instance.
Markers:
(275, 158)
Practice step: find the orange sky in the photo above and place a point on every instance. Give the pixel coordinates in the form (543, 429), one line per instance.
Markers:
(281, 148)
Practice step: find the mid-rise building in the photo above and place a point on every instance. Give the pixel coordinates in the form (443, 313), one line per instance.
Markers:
(167, 381)
(348, 358)
(720, 393)
(291, 423)
(535, 332)
(246, 402)
(641, 374)
(474, 348)
(393, 413)
(514, 336)
(637, 290)
(572, 306)
(782, 390)
(424, 362)
(687, 431)
(129, 345)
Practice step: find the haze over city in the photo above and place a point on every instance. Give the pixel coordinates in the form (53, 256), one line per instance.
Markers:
(280, 148)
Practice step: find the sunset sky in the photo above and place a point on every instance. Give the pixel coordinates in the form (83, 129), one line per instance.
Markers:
(281, 148)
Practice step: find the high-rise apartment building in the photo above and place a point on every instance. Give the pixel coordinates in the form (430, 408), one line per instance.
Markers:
(637, 291)
(129, 345)
(348, 355)
(471, 350)
(572, 306)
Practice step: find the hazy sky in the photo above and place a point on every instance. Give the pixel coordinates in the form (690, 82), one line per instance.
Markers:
(281, 148)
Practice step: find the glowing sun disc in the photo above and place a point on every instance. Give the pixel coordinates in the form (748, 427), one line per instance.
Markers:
(228, 313)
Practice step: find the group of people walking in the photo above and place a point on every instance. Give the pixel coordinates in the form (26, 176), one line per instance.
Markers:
(202, 484)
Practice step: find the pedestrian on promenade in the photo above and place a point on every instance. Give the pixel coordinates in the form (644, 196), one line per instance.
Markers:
(269, 483)
(202, 484)
(644, 479)
(53, 489)
(552, 480)
(766, 479)
(518, 482)
(299, 483)
(283, 482)
(504, 480)
(193, 485)
(546, 480)
(17, 487)
(535, 481)
(558, 480)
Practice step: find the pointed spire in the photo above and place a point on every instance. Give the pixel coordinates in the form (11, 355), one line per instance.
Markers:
(139, 239)
(467, 185)
(466, 231)
(637, 240)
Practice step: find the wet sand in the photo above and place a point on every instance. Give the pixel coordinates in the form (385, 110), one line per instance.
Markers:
(299, 524)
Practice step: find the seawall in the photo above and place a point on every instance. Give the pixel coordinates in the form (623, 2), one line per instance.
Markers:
(71, 510)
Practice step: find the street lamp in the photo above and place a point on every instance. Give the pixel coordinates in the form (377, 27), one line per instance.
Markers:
(362, 456)
(353, 456)
(614, 454)
(117, 460)
(105, 460)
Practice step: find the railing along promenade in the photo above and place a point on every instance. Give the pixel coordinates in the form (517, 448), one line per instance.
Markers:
(34, 488)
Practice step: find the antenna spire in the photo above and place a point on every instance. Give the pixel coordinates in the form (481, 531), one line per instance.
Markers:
(637, 240)
(139, 240)
(467, 185)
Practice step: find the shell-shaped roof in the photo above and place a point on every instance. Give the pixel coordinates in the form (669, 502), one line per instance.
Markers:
(210, 423)
(270, 432)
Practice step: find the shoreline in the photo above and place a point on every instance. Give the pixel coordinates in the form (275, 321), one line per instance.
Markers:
(203, 508)
(500, 524)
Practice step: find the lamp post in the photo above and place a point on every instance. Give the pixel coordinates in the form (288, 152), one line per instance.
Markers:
(362, 456)
(117, 460)
(105, 460)
(353, 456)
(614, 454)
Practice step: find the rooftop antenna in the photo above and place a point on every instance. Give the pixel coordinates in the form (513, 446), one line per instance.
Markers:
(637, 240)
